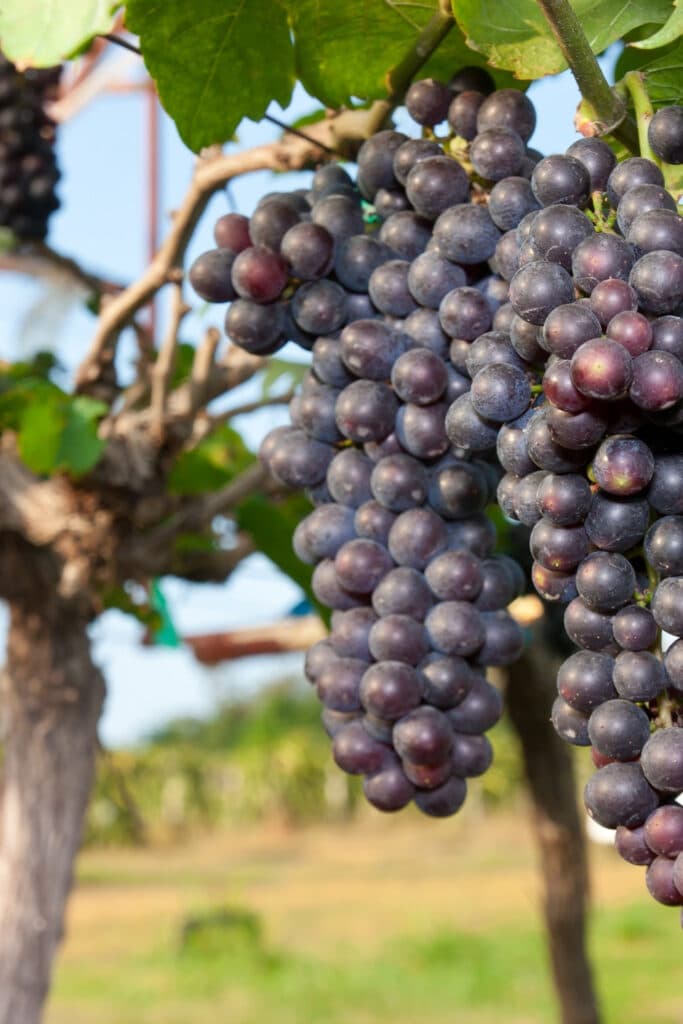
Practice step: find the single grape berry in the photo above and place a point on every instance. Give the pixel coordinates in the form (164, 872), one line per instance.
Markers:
(665, 134)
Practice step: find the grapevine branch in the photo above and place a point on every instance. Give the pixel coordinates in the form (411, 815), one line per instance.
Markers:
(609, 109)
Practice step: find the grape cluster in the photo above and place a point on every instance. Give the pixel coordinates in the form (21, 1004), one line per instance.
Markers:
(28, 166)
(594, 468)
(485, 323)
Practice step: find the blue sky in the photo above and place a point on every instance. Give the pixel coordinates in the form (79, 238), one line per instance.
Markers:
(102, 224)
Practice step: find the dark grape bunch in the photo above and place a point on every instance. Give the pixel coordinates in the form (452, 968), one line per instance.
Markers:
(505, 327)
(595, 470)
(28, 165)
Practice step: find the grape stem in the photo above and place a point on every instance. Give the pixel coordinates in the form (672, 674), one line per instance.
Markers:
(610, 111)
(634, 83)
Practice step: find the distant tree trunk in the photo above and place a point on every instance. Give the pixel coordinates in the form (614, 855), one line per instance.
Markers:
(558, 826)
(50, 701)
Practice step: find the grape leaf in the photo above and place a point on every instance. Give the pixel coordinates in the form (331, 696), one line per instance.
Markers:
(40, 433)
(213, 463)
(79, 446)
(345, 49)
(60, 433)
(42, 33)
(664, 76)
(668, 33)
(518, 38)
(215, 61)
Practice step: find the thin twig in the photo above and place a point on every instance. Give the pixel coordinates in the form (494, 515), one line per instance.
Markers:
(120, 41)
(201, 368)
(39, 260)
(196, 514)
(247, 407)
(162, 370)
(302, 135)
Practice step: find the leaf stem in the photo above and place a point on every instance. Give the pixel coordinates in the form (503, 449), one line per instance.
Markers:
(609, 109)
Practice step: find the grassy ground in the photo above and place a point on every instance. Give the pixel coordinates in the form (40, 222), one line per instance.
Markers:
(384, 921)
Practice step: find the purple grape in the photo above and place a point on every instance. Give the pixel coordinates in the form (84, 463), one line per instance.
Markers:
(598, 159)
(259, 274)
(660, 882)
(416, 537)
(631, 845)
(665, 134)
(606, 581)
(466, 234)
(634, 628)
(421, 430)
(463, 111)
(619, 794)
(657, 381)
(390, 689)
(497, 153)
(629, 173)
(419, 376)
(619, 730)
(602, 369)
(366, 411)
(388, 789)
(590, 630)
(427, 101)
(444, 800)
(403, 591)
(455, 627)
(508, 108)
(662, 760)
(356, 752)
(560, 179)
(231, 231)
(355, 259)
(338, 685)
(600, 257)
(571, 725)
(424, 736)
(348, 478)
(657, 279)
(435, 184)
(445, 681)
(564, 499)
(537, 288)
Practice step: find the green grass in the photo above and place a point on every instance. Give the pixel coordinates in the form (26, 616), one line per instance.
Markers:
(390, 924)
(450, 976)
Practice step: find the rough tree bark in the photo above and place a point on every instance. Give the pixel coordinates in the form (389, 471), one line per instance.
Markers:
(558, 826)
(51, 698)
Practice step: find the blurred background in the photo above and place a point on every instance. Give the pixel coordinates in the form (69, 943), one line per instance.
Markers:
(230, 870)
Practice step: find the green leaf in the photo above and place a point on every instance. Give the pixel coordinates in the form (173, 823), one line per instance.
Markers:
(281, 371)
(668, 33)
(213, 463)
(517, 37)
(80, 448)
(40, 433)
(272, 525)
(42, 33)
(664, 76)
(215, 61)
(345, 48)
(59, 433)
